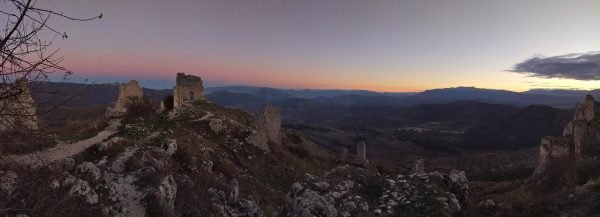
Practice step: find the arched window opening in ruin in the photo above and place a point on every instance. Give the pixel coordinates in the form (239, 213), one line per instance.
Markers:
(191, 95)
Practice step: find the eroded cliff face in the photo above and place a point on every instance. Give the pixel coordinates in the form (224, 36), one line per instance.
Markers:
(580, 139)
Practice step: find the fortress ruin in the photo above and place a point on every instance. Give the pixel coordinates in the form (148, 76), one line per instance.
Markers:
(188, 89)
(580, 138)
(268, 128)
(127, 92)
(18, 111)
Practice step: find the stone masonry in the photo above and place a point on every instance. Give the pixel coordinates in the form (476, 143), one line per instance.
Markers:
(268, 128)
(127, 92)
(19, 112)
(580, 139)
(188, 89)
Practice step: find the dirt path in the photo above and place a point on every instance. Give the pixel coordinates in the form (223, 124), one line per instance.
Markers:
(62, 151)
(122, 188)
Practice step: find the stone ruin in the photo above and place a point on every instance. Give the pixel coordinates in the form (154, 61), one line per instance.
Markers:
(419, 167)
(268, 128)
(19, 111)
(127, 92)
(580, 138)
(188, 89)
(360, 159)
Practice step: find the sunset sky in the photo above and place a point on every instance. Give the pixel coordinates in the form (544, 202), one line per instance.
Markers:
(381, 45)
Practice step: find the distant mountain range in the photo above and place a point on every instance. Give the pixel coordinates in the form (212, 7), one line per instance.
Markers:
(489, 118)
(252, 97)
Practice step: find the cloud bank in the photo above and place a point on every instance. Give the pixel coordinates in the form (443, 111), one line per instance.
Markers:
(572, 66)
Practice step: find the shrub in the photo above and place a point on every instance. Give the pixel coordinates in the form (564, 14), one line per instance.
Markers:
(300, 150)
(586, 170)
(139, 109)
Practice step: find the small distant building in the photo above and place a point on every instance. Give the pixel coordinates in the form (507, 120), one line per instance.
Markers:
(127, 92)
(188, 89)
(18, 112)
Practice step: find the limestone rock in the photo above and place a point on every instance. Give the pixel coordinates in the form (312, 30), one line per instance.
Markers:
(303, 202)
(232, 191)
(69, 163)
(82, 189)
(8, 180)
(103, 146)
(68, 179)
(216, 125)
(88, 170)
(167, 192)
(169, 146)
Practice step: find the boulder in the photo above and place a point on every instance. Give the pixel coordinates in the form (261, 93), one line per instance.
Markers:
(169, 146)
(303, 202)
(88, 170)
(216, 125)
(82, 189)
(8, 180)
(232, 191)
(167, 192)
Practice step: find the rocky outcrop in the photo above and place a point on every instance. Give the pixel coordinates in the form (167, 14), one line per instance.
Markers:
(169, 146)
(580, 139)
(88, 171)
(304, 202)
(220, 202)
(341, 193)
(82, 189)
(216, 125)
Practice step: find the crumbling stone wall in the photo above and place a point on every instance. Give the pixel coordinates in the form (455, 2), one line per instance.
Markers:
(580, 137)
(189, 88)
(358, 159)
(19, 111)
(552, 148)
(268, 128)
(126, 92)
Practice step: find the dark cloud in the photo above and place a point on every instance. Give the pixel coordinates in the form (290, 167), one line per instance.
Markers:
(571, 66)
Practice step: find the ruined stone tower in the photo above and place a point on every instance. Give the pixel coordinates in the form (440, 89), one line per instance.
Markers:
(127, 92)
(361, 154)
(268, 128)
(19, 112)
(580, 138)
(188, 88)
